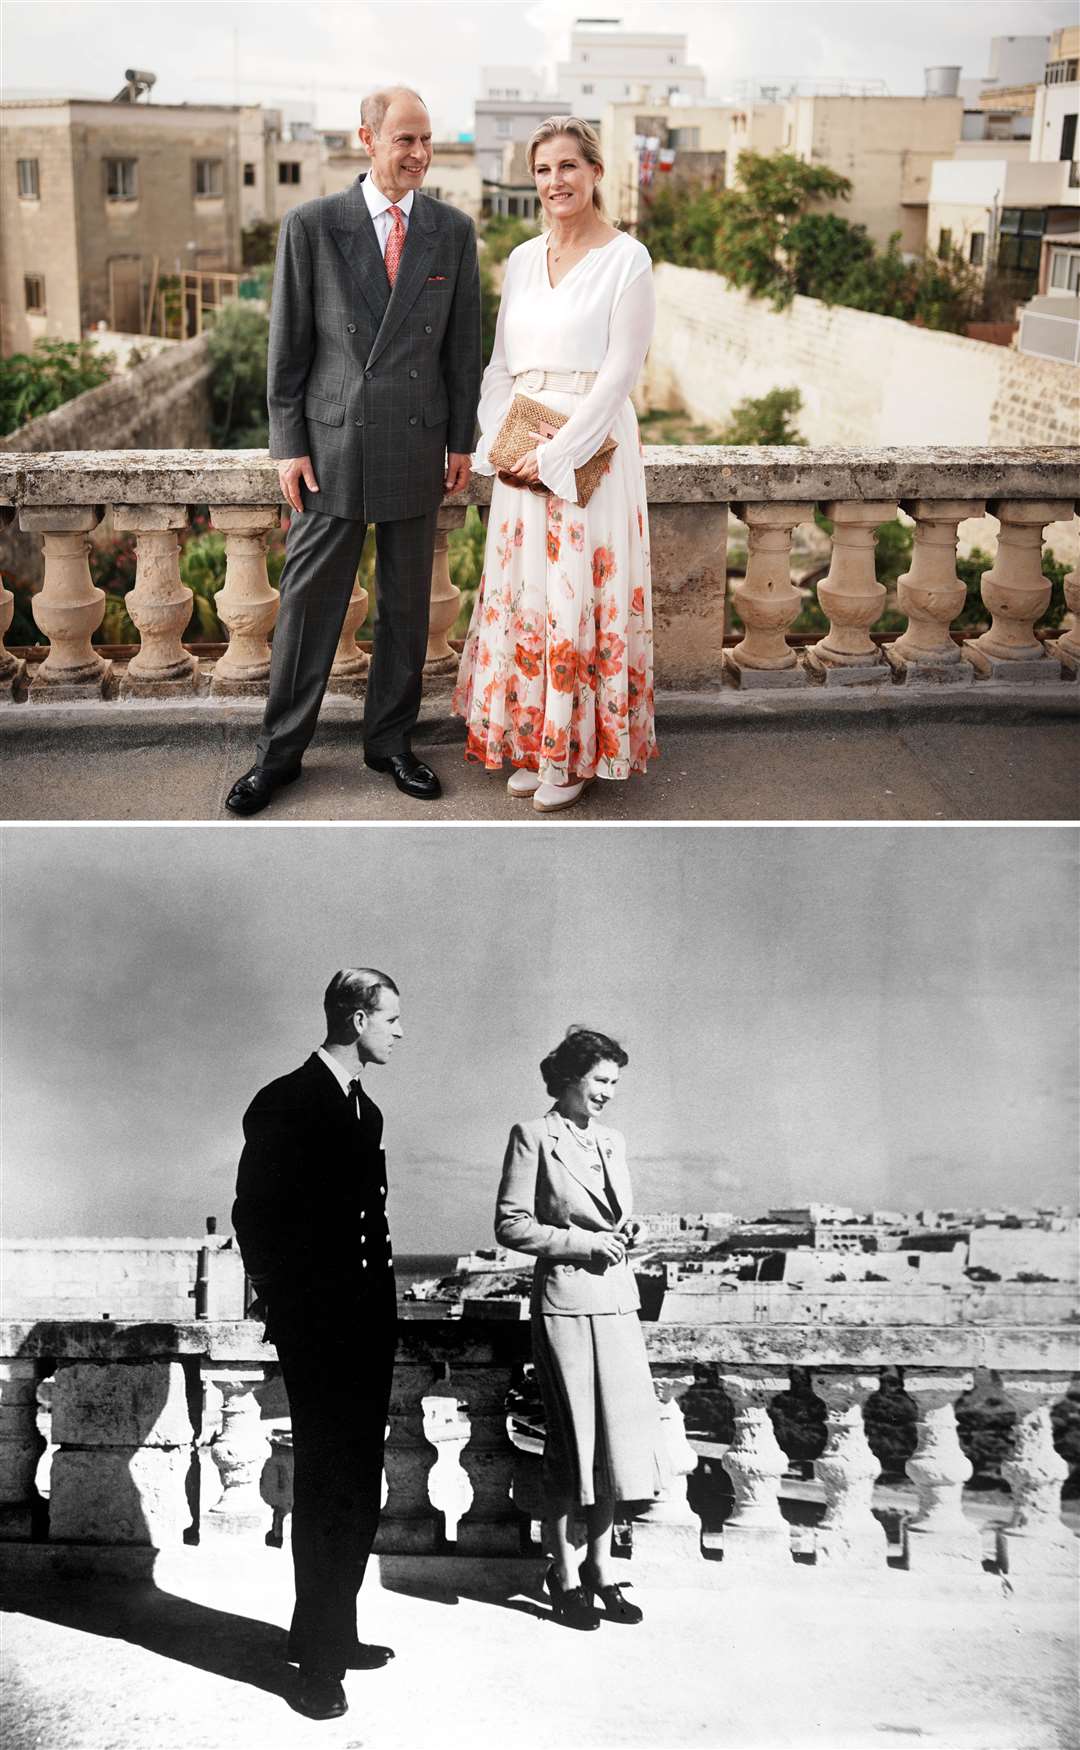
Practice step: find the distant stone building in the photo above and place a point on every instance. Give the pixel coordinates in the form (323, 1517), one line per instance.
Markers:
(607, 65)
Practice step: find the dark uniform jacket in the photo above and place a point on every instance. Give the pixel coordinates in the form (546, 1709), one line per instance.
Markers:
(375, 386)
(310, 1210)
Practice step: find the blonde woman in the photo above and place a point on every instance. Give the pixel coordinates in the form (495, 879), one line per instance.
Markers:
(556, 673)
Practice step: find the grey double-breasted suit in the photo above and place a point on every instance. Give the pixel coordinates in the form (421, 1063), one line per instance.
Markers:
(375, 385)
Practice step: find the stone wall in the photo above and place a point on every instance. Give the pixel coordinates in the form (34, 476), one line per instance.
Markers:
(118, 1279)
(164, 403)
(864, 379)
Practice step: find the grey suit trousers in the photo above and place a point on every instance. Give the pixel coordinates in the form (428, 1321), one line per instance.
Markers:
(321, 558)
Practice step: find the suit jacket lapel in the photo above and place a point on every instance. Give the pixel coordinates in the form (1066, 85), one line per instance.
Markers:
(420, 240)
(565, 1159)
(354, 234)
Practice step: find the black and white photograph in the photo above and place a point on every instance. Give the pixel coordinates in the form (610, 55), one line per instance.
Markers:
(539, 902)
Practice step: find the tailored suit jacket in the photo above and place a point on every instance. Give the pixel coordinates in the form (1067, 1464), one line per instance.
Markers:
(374, 385)
(548, 1206)
(310, 1210)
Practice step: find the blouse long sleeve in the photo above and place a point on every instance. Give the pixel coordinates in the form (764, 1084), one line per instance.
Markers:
(632, 323)
(496, 390)
(516, 1223)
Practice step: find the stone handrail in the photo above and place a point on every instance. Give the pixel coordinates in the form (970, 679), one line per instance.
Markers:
(147, 1418)
(62, 497)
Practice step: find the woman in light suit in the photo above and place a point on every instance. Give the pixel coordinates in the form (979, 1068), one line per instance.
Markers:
(565, 1197)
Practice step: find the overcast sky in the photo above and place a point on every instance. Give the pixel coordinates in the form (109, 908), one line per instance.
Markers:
(247, 50)
(869, 1016)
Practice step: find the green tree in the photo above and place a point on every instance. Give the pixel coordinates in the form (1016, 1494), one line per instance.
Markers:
(258, 241)
(39, 381)
(238, 343)
(501, 235)
(765, 419)
(755, 218)
(822, 250)
(680, 225)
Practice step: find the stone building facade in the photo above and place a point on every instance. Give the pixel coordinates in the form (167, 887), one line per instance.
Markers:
(99, 199)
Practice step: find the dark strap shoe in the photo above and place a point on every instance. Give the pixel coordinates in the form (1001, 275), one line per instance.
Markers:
(569, 1604)
(251, 793)
(409, 774)
(320, 1698)
(616, 1607)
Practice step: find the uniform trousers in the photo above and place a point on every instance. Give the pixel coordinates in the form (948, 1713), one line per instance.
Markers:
(322, 554)
(339, 1395)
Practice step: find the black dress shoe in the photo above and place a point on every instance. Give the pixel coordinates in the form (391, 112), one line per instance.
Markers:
(408, 773)
(320, 1698)
(251, 793)
(570, 1604)
(366, 1656)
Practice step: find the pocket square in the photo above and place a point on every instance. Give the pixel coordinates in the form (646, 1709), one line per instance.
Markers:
(436, 279)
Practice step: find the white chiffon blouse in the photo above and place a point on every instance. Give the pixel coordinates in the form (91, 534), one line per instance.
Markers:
(598, 318)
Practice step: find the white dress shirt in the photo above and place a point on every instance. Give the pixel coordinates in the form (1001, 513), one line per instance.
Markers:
(341, 1076)
(379, 207)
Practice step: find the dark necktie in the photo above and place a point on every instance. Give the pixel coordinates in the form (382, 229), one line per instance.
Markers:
(355, 1090)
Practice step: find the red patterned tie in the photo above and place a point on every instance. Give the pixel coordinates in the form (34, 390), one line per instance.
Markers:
(395, 243)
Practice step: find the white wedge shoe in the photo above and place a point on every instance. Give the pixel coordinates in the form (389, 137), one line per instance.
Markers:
(550, 798)
(522, 782)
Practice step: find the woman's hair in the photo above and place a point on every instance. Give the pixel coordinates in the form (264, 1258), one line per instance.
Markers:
(585, 137)
(576, 1055)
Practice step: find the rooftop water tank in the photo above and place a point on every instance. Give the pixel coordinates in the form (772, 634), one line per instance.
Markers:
(942, 81)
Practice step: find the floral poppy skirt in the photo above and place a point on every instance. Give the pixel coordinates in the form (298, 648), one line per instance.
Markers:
(557, 670)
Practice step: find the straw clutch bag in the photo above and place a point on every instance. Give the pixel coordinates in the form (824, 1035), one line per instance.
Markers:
(528, 423)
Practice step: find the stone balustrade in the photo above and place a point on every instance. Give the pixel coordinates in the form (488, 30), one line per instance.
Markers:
(61, 499)
(171, 1434)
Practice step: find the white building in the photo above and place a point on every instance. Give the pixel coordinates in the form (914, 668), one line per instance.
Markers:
(607, 65)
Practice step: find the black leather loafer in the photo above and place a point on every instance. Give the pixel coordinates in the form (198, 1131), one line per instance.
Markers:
(251, 793)
(320, 1698)
(408, 773)
(367, 1656)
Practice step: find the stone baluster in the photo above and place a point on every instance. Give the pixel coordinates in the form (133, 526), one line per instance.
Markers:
(1067, 647)
(1016, 594)
(939, 1538)
(445, 595)
(766, 599)
(853, 599)
(12, 668)
(446, 1426)
(246, 603)
(68, 608)
(1036, 1543)
(849, 1535)
(348, 671)
(277, 1482)
(491, 1524)
(931, 594)
(756, 1535)
(667, 1533)
(125, 1452)
(238, 1451)
(159, 604)
(409, 1523)
(21, 1446)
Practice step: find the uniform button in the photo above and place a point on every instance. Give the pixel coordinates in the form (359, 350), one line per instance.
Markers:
(382, 1188)
(427, 327)
(363, 1263)
(351, 328)
(358, 422)
(413, 419)
(389, 1263)
(413, 373)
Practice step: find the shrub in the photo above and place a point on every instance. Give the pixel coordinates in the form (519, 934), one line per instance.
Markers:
(501, 235)
(40, 381)
(238, 344)
(764, 419)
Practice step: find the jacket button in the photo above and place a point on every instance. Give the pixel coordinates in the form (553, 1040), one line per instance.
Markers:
(427, 327)
(413, 373)
(413, 419)
(351, 328)
(369, 373)
(358, 422)
(363, 1263)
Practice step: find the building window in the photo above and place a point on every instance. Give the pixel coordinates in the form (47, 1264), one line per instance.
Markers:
(29, 184)
(209, 177)
(34, 287)
(288, 171)
(977, 248)
(504, 127)
(944, 243)
(1068, 138)
(1061, 72)
(1065, 270)
(1020, 240)
(587, 90)
(249, 176)
(120, 179)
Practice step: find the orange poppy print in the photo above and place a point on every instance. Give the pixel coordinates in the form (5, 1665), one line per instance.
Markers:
(562, 666)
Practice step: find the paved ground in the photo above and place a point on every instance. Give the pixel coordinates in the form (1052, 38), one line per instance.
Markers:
(194, 1664)
(995, 752)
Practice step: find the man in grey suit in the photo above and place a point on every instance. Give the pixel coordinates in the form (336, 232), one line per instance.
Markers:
(373, 381)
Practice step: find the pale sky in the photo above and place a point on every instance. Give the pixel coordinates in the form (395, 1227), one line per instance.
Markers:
(875, 1016)
(253, 52)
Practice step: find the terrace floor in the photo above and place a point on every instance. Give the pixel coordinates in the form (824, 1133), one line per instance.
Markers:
(192, 1661)
(994, 752)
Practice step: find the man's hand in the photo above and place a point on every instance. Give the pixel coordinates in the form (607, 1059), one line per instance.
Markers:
(290, 474)
(458, 469)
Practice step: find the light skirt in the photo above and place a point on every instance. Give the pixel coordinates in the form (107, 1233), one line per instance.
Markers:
(557, 670)
(603, 1426)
